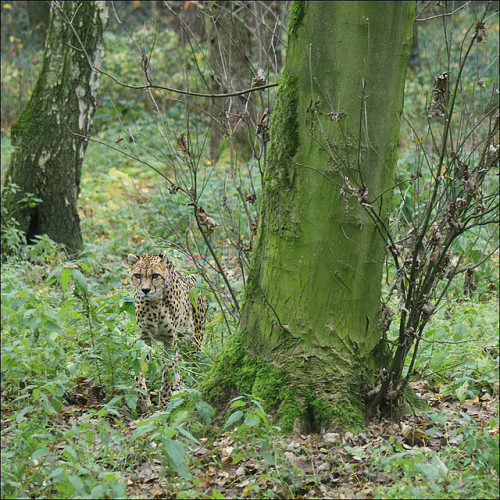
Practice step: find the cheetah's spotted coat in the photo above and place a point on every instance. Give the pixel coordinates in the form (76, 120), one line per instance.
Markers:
(164, 310)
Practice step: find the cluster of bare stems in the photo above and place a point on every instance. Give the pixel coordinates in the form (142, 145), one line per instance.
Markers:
(460, 196)
(457, 195)
(245, 38)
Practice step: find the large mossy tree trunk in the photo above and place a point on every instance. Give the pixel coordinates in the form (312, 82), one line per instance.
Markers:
(49, 134)
(309, 343)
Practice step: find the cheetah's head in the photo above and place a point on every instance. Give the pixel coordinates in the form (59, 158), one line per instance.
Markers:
(148, 274)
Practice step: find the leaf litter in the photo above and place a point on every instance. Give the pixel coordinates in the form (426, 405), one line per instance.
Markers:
(335, 464)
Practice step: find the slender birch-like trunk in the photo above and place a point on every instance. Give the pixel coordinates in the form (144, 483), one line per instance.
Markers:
(47, 155)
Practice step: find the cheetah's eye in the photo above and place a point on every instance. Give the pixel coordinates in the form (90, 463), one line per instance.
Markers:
(155, 275)
(137, 276)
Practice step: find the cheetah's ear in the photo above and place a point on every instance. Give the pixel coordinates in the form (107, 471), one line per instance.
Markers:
(163, 255)
(132, 258)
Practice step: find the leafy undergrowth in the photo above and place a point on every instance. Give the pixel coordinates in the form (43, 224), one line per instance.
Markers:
(69, 427)
(438, 454)
(70, 354)
(76, 451)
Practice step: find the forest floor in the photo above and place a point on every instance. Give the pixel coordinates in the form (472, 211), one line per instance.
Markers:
(334, 465)
(70, 349)
(412, 457)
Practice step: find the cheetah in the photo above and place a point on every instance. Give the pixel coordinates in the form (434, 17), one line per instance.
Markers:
(164, 311)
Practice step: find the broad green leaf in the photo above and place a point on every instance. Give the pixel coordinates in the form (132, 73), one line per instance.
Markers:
(252, 420)
(141, 431)
(40, 453)
(101, 413)
(177, 455)
(193, 295)
(98, 491)
(144, 367)
(237, 398)
(84, 266)
(434, 470)
(118, 489)
(23, 412)
(47, 406)
(174, 403)
(65, 277)
(108, 407)
(194, 394)
(258, 405)
(131, 400)
(180, 416)
(187, 434)
(440, 466)
(461, 392)
(70, 451)
(77, 484)
(353, 451)
(205, 411)
(51, 326)
(237, 458)
(269, 458)
(431, 431)
(460, 331)
(57, 474)
(34, 322)
(233, 418)
(53, 275)
(238, 404)
(80, 280)
(128, 306)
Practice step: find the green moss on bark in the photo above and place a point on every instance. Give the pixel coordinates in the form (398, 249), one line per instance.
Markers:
(32, 121)
(47, 156)
(296, 16)
(279, 174)
(280, 171)
(295, 407)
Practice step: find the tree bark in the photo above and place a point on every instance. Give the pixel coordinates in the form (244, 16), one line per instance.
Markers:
(47, 156)
(309, 342)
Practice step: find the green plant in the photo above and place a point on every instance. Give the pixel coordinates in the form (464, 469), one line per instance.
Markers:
(65, 323)
(63, 462)
(252, 412)
(460, 349)
(466, 467)
(12, 238)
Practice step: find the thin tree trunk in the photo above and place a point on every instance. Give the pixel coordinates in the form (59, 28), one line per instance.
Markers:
(308, 336)
(47, 155)
(229, 59)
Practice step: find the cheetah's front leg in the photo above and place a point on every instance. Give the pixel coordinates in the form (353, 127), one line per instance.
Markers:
(171, 377)
(144, 399)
